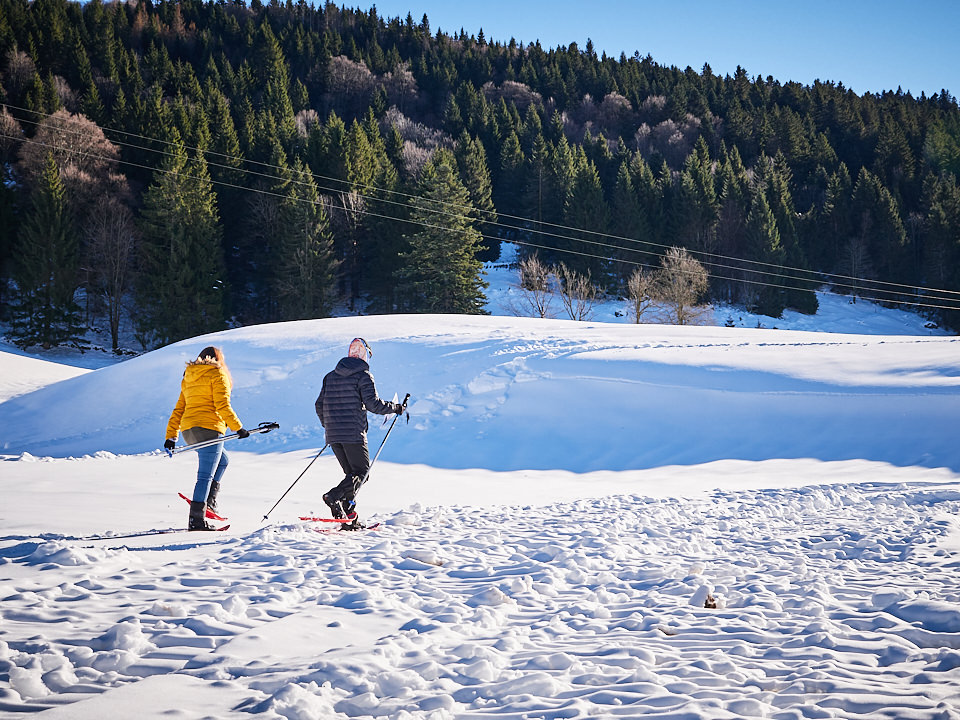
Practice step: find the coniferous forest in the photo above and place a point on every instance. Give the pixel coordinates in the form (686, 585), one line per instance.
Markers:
(199, 165)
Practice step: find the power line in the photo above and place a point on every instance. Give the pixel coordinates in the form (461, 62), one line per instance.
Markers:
(819, 279)
(856, 284)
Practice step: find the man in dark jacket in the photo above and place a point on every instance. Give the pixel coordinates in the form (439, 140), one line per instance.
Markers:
(348, 394)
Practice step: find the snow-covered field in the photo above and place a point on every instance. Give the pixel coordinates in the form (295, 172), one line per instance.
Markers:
(581, 520)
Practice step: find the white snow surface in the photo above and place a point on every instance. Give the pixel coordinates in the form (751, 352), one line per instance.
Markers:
(581, 520)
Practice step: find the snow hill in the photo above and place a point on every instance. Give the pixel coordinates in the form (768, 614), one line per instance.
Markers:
(581, 520)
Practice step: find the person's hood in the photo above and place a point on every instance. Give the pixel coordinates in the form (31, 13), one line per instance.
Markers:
(351, 366)
(196, 368)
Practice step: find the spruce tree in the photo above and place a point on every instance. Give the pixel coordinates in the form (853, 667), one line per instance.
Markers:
(941, 235)
(475, 174)
(226, 162)
(696, 203)
(763, 240)
(628, 226)
(734, 204)
(586, 211)
(800, 295)
(878, 224)
(46, 267)
(649, 196)
(10, 136)
(306, 268)
(440, 272)
(182, 284)
(536, 190)
(510, 176)
(262, 236)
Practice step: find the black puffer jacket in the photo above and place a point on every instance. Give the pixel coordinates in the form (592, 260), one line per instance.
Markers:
(347, 395)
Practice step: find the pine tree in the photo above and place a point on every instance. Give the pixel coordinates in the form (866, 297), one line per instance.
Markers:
(894, 164)
(536, 190)
(472, 161)
(510, 176)
(47, 261)
(799, 296)
(649, 197)
(628, 226)
(262, 237)
(763, 239)
(440, 272)
(696, 207)
(326, 150)
(586, 210)
(734, 204)
(226, 173)
(375, 237)
(306, 267)
(941, 235)
(181, 290)
(10, 136)
(877, 224)
(834, 217)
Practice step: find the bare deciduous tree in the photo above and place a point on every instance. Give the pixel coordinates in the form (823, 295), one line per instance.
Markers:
(349, 218)
(20, 72)
(855, 260)
(681, 282)
(10, 135)
(111, 241)
(641, 288)
(305, 120)
(536, 295)
(87, 160)
(89, 168)
(513, 92)
(68, 98)
(401, 86)
(577, 292)
(350, 84)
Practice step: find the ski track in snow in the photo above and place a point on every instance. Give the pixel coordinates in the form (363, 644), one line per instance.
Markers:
(568, 535)
(832, 602)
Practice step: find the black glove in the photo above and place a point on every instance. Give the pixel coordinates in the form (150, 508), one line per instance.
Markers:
(241, 433)
(169, 444)
(398, 408)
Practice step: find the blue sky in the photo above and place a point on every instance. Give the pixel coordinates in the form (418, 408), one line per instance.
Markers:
(868, 45)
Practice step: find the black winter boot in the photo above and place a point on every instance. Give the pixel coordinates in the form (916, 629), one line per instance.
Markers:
(212, 496)
(336, 509)
(198, 520)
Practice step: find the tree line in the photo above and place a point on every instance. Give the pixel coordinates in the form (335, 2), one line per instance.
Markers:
(194, 165)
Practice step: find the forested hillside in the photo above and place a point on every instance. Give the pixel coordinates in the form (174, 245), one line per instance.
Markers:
(198, 164)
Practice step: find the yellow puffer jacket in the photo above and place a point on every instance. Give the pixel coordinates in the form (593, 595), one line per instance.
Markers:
(204, 400)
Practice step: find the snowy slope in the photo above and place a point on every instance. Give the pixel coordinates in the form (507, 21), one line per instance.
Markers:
(564, 502)
(524, 394)
(23, 374)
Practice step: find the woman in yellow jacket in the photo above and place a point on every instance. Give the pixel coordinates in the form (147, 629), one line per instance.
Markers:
(203, 410)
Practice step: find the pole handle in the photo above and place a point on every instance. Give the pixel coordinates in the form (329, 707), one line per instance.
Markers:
(263, 427)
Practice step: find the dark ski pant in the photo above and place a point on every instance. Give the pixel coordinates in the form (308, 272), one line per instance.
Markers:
(354, 458)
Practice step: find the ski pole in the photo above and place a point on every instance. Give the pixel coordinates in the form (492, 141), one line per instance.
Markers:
(295, 482)
(384, 441)
(263, 427)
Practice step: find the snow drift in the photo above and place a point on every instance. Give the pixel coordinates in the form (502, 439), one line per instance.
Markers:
(582, 520)
(522, 394)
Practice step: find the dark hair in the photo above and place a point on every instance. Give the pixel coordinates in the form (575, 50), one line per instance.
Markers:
(216, 354)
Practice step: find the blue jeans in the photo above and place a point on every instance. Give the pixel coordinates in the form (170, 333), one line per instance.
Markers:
(213, 462)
